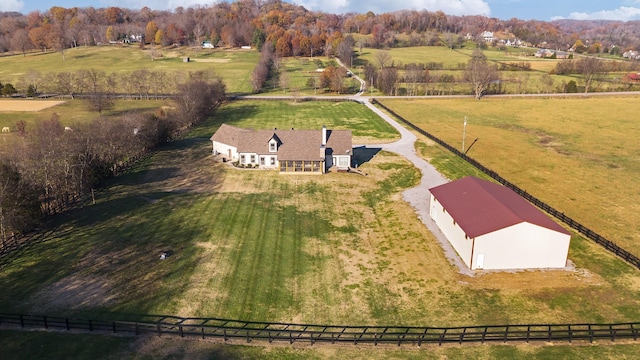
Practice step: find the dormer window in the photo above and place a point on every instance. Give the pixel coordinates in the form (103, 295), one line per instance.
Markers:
(273, 145)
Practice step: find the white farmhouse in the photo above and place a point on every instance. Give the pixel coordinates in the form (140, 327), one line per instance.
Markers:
(289, 151)
(492, 227)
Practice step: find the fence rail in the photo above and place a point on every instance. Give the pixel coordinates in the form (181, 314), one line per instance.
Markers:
(585, 231)
(283, 332)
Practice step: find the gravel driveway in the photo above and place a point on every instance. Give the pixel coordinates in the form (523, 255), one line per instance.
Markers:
(418, 197)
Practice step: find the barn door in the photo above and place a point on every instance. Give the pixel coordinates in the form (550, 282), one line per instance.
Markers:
(480, 261)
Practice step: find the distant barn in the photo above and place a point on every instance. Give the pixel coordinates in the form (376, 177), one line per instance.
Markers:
(492, 227)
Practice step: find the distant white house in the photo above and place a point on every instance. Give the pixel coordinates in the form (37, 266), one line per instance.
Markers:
(207, 45)
(492, 227)
(487, 36)
(631, 54)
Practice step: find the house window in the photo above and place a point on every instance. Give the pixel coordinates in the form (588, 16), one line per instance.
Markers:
(242, 159)
(253, 159)
(343, 161)
(273, 160)
(273, 146)
(262, 160)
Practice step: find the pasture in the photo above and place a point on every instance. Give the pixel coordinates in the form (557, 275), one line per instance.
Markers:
(254, 245)
(234, 66)
(579, 155)
(70, 112)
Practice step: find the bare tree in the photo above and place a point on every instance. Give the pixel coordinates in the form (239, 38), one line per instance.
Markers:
(480, 74)
(198, 98)
(592, 69)
(344, 51)
(388, 80)
(100, 91)
(284, 79)
(19, 205)
(414, 75)
(20, 41)
(383, 59)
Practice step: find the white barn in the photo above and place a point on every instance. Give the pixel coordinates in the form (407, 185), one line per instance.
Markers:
(492, 227)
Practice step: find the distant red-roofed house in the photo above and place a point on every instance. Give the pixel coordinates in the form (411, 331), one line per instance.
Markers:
(635, 77)
(310, 151)
(492, 227)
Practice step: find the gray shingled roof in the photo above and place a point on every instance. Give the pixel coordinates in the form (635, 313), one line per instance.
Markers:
(481, 207)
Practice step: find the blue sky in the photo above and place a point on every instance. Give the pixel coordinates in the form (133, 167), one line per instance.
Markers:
(504, 9)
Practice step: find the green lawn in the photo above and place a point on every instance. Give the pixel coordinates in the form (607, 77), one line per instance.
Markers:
(366, 127)
(254, 245)
(235, 66)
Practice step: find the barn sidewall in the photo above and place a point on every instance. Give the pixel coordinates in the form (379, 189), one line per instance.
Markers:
(451, 230)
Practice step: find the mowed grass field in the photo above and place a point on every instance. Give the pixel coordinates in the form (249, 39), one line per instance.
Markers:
(234, 66)
(580, 155)
(254, 245)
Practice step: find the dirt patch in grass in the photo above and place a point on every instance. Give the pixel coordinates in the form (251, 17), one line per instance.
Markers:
(27, 105)
(74, 292)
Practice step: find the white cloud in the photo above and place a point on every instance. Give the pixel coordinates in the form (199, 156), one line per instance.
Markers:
(623, 13)
(449, 7)
(11, 5)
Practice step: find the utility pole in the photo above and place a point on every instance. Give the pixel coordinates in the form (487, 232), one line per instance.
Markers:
(464, 132)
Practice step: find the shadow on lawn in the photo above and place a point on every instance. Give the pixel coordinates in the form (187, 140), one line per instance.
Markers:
(363, 154)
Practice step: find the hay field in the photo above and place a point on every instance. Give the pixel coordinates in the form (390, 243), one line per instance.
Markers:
(580, 155)
(27, 105)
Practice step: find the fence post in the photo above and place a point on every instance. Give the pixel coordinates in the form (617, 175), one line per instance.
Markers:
(21, 321)
(90, 326)
(570, 333)
(159, 331)
(66, 320)
(46, 326)
(136, 328)
(181, 333)
(613, 333)
(113, 324)
(225, 334)
(202, 328)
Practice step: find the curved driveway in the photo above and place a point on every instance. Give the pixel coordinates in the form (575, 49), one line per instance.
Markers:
(418, 196)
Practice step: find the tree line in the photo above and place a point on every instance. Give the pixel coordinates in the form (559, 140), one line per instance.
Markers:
(291, 29)
(48, 165)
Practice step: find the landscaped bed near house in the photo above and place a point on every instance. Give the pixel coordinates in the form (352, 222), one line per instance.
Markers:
(255, 245)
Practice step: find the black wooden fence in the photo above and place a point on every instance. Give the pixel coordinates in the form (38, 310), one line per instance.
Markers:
(585, 231)
(212, 328)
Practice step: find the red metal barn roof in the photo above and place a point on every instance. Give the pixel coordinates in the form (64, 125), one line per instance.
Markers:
(480, 207)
